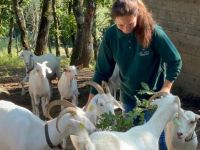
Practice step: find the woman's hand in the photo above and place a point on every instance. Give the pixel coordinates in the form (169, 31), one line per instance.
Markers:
(167, 86)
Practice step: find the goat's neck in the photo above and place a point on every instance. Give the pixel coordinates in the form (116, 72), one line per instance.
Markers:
(91, 111)
(54, 135)
(30, 65)
(84, 140)
(33, 59)
(159, 120)
(68, 80)
(41, 81)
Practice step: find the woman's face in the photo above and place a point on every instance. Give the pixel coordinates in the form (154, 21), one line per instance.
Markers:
(126, 23)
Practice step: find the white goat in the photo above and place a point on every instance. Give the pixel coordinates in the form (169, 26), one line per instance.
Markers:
(30, 59)
(21, 130)
(67, 85)
(39, 88)
(180, 131)
(144, 137)
(114, 82)
(101, 103)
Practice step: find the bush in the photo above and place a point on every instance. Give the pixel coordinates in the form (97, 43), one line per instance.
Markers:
(123, 122)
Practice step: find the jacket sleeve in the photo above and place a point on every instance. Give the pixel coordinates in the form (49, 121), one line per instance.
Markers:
(168, 53)
(105, 62)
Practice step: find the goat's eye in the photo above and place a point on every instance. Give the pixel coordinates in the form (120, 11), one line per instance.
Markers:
(101, 104)
(192, 122)
(31, 55)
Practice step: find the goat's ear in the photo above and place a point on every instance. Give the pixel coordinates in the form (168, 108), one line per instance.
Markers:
(197, 118)
(49, 70)
(45, 62)
(77, 124)
(105, 87)
(35, 64)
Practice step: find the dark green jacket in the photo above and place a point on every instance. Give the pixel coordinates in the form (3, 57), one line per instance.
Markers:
(151, 65)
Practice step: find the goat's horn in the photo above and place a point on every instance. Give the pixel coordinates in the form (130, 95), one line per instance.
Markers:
(179, 106)
(156, 95)
(4, 90)
(70, 110)
(64, 103)
(105, 87)
(95, 85)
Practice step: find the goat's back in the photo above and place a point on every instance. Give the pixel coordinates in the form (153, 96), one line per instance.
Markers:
(53, 64)
(16, 122)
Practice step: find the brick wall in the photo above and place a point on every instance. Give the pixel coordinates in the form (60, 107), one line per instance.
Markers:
(181, 21)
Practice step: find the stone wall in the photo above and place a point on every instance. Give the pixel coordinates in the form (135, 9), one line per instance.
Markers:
(181, 21)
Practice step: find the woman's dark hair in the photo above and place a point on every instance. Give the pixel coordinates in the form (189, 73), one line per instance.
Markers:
(145, 22)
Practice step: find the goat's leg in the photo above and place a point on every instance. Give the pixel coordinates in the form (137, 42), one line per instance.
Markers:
(75, 100)
(115, 93)
(51, 89)
(61, 106)
(23, 92)
(37, 104)
(45, 102)
(33, 103)
(64, 143)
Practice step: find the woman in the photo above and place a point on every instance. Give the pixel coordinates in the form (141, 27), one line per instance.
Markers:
(142, 51)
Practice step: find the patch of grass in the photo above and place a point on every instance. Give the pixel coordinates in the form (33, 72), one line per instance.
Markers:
(3, 43)
(64, 61)
(10, 61)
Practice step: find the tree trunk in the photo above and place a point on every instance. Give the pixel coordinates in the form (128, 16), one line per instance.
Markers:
(65, 46)
(72, 31)
(56, 34)
(95, 42)
(10, 35)
(21, 23)
(49, 44)
(83, 50)
(42, 39)
(35, 24)
(16, 42)
(79, 16)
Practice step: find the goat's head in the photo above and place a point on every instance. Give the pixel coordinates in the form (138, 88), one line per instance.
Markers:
(187, 124)
(71, 72)
(165, 100)
(42, 69)
(27, 56)
(74, 121)
(103, 102)
(73, 118)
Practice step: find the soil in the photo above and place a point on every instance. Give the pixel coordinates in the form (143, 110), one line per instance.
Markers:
(12, 83)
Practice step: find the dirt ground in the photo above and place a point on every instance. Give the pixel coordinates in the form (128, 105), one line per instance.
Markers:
(16, 75)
